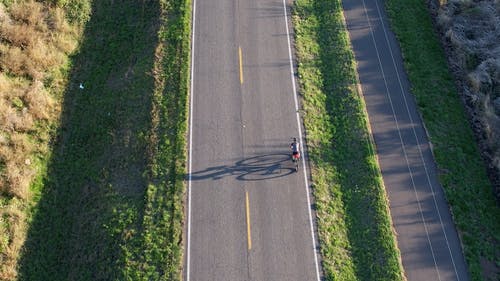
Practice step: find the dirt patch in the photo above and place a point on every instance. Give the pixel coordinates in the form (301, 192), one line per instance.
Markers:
(490, 271)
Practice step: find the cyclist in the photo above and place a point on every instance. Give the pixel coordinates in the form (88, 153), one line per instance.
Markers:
(294, 146)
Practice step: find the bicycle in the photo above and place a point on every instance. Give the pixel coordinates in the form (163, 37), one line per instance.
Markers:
(294, 146)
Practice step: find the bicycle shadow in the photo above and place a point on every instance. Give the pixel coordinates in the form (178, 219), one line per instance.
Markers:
(261, 167)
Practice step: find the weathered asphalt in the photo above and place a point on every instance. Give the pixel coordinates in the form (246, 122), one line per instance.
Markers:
(426, 235)
(240, 137)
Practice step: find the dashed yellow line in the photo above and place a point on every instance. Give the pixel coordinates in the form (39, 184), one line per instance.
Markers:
(249, 235)
(241, 65)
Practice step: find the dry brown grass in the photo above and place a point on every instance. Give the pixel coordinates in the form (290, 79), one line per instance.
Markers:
(19, 170)
(11, 225)
(35, 41)
(39, 102)
(472, 32)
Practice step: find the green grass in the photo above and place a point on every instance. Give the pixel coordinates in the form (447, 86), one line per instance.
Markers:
(354, 225)
(110, 205)
(462, 172)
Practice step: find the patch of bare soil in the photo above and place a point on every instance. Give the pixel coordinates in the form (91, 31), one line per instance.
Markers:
(490, 270)
(470, 33)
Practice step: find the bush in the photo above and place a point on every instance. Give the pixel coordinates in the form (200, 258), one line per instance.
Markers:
(472, 33)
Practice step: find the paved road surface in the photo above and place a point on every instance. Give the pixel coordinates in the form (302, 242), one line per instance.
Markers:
(241, 174)
(426, 235)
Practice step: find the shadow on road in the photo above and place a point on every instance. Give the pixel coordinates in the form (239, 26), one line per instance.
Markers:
(261, 167)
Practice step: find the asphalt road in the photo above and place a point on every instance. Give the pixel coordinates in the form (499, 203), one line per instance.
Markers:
(248, 210)
(426, 234)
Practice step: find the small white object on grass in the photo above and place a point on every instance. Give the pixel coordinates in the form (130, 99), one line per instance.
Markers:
(81, 86)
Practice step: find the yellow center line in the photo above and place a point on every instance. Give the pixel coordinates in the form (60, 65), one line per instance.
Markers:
(241, 65)
(248, 222)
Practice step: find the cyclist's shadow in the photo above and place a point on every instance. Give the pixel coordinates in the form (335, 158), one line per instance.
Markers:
(254, 168)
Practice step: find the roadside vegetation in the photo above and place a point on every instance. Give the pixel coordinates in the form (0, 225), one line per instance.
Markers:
(461, 170)
(470, 31)
(354, 225)
(35, 41)
(102, 163)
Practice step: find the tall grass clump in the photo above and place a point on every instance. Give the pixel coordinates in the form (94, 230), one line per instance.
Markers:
(356, 239)
(470, 31)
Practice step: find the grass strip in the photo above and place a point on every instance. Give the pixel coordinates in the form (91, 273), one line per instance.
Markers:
(111, 203)
(354, 224)
(462, 171)
(164, 209)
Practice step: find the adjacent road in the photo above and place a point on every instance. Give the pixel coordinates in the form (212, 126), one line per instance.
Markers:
(426, 234)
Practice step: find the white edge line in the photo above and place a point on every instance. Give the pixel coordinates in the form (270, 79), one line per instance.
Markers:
(297, 115)
(188, 256)
(418, 143)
